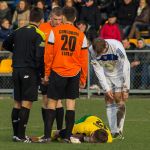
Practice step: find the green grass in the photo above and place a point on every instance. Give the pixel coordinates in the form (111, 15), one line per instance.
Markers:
(136, 130)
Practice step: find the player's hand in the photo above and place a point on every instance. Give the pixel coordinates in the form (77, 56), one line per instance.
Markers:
(45, 81)
(81, 85)
(109, 95)
(42, 80)
(125, 95)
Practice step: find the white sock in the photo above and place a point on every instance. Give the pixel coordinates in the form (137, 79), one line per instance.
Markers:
(111, 110)
(121, 117)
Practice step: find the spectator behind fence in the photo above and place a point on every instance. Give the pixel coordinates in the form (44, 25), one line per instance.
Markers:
(5, 29)
(22, 12)
(40, 4)
(142, 19)
(142, 60)
(5, 12)
(91, 14)
(126, 14)
(111, 30)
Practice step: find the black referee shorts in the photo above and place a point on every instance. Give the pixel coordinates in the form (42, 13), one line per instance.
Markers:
(25, 84)
(63, 87)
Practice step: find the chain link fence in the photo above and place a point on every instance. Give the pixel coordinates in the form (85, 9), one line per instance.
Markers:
(140, 74)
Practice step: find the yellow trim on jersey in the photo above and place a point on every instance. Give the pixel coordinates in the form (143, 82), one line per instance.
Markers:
(39, 32)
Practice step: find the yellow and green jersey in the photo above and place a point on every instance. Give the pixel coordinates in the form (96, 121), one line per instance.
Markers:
(88, 124)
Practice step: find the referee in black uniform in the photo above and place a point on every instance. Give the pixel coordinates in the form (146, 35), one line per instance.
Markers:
(27, 45)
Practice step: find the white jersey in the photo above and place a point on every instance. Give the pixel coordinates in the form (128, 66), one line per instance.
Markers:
(113, 64)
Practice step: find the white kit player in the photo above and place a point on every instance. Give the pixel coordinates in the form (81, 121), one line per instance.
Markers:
(112, 68)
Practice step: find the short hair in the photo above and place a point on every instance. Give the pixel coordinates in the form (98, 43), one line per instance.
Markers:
(125, 38)
(36, 14)
(141, 39)
(56, 11)
(100, 136)
(99, 45)
(3, 20)
(82, 22)
(70, 13)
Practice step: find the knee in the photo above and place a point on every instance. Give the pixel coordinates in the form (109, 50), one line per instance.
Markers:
(59, 104)
(70, 104)
(17, 104)
(121, 107)
(27, 104)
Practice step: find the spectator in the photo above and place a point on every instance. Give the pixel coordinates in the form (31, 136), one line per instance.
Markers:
(5, 12)
(142, 19)
(22, 12)
(111, 29)
(55, 3)
(5, 29)
(143, 60)
(89, 31)
(78, 4)
(91, 14)
(126, 14)
(69, 3)
(127, 45)
(105, 7)
(40, 4)
(21, 23)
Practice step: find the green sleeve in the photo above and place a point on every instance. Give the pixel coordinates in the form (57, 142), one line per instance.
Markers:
(82, 119)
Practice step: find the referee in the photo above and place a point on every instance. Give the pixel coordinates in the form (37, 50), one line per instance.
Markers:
(27, 45)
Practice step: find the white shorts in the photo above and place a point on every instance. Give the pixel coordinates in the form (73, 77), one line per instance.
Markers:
(115, 83)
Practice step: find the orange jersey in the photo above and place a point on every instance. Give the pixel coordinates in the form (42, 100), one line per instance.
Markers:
(66, 52)
(46, 28)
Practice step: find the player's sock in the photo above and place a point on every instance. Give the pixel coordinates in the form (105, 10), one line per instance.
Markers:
(70, 119)
(59, 117)
(121, 117)
(50, 116)
(15, 121)
(23, 120)
(111, 110)
(43, 114)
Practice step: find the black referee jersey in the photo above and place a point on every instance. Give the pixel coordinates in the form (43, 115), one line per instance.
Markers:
(27, 44)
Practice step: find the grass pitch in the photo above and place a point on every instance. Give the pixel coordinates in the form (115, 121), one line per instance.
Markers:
(136, 130)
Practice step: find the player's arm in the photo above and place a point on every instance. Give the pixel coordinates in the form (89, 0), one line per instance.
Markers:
(8, 43)
(49, 54)
(84, 63)
(99, 71)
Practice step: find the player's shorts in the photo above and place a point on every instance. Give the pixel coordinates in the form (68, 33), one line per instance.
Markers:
(25, 84)
(43, 89)
(115, 83)
(63, 87)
